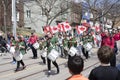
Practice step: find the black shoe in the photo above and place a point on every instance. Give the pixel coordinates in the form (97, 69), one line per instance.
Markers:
(44, 62)
(34, 58)
(17, 69)
(58, 71)
(24, 67)
(49, 72)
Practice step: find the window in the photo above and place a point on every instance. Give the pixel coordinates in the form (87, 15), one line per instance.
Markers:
(28, 13)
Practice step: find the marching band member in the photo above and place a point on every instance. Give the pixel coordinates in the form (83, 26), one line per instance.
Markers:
(19, 52)
(90, 41)
(85, 40)
(72, 42)
(33, 39)
(51, 43)
(60, 44)
(65, 46)
(98, 37)
(42, 48)
(12, 44)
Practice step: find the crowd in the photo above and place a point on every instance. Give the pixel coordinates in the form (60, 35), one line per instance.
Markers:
(72, 48)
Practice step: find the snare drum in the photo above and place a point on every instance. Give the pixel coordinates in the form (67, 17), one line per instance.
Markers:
(44, 54)
(36, 45)
(53, 55)
(18, 55)
(87, 46)
(12, 49)
(73, 51)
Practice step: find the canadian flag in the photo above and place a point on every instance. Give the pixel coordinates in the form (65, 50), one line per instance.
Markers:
(46, 29)
(64, 26)
(54, 29)
(86, 24)
(93, 27)
(60, 27)
(97, 28)
(80, 29)
(94, 36)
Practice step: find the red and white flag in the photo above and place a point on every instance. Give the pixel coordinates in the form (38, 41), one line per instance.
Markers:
(94, 36)
(80, 29)
(54, 29)
(46, 29)
(60, 27)
(64, 26)
(97, 28)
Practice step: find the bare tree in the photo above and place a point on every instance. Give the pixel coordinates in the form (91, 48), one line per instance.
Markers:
(53, 8)
(6, 10)
(114, 14)
(100, 8)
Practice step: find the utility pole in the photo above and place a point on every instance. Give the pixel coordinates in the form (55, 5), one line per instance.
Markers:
(14, 17)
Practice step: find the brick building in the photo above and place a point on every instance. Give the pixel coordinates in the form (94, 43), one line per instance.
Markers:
(20, 16)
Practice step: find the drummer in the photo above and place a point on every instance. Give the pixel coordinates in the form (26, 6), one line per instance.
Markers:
(85, 40)
(20, 49)
(72, 42)
(42, 48)
(91, 41)
(65, 46)
(51, 43)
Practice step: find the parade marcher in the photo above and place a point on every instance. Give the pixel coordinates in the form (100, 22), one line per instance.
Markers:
(116, 37)
(84, 40)
(12, 44)
(42, 48)
(98, 37)
(51, 43)
(32, 40)
(60, 44)
(90, 41)
(105, 71)
(75, 66)
(19, 52)
(65, 46)
(108, 40)
(72, 42)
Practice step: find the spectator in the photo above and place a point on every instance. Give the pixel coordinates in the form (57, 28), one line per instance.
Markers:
(108, 40)
(75, 66)
(105, 71)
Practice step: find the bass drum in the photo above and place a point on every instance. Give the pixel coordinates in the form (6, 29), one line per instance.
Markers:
(53, 55)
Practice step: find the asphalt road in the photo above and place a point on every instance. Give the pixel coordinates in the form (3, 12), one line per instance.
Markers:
(36, 70)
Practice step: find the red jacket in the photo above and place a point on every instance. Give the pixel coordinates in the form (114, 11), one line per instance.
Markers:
(33, 39)
(107, 41)
(116, 36)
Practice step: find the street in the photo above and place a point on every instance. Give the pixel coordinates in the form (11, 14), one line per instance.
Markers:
(36, 70)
